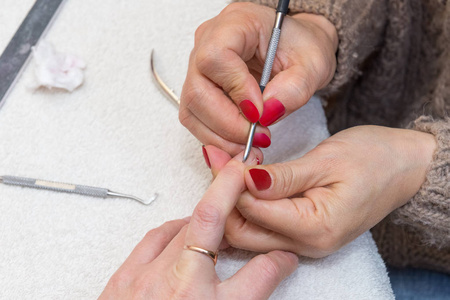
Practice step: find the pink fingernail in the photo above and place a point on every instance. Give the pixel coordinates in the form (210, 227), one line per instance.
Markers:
(249, 110)
(273, 110)
(205, 155)
(261, 140)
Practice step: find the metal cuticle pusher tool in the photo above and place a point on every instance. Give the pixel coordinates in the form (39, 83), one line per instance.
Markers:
(282, 10)
(70, 188)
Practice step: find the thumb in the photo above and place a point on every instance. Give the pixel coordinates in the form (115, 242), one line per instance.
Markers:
(286, 179)
(263, 274)
(286, 92)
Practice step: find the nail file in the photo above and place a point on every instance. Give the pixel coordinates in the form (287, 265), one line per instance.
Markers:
(16, 54)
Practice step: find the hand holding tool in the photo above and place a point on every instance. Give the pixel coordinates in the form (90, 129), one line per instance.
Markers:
(282, 10)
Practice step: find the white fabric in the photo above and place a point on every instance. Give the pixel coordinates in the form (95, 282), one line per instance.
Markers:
(56, 70)
(117, 131)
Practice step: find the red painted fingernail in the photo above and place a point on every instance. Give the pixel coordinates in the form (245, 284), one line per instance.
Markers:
(205, 155)
(249, 110)
(273, 110)
(261, 140)
(257, 161)
(261, 178)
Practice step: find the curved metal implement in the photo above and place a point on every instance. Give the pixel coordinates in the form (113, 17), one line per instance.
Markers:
(69, 188)
(174, 98)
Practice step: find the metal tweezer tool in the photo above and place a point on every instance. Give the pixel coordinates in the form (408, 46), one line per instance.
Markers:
(282, 10)
(69, 188)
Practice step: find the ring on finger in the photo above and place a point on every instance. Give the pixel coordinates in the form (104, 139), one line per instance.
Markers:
(211, 254)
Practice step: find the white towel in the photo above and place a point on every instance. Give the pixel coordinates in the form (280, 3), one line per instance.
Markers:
(117, 131)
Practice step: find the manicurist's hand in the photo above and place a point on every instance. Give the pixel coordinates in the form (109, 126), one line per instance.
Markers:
(225, 68)
(159, 268)
(316, 204)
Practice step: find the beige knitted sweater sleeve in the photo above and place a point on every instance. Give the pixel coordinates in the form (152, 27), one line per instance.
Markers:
(357, 39)
(360, 27)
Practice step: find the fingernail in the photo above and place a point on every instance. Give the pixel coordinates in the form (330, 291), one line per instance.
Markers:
(249, 110)
(261, 178)
(261, 140)
(205, 155)
(273, 110)
(257, 161)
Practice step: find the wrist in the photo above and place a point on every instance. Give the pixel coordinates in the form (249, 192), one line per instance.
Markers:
(418, 150)
(321, 23)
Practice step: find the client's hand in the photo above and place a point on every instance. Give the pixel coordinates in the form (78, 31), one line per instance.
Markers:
(159, 268)
(316, 204)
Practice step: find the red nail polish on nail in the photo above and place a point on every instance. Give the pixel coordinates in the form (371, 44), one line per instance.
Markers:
(205, 155)
(249, 110)
(261, 178)
(257, 161)
(273, 110)
(261, 140)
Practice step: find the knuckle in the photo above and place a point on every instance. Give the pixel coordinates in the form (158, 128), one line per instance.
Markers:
(143, 288)
(328, 240)
(185, 292)
(237, 83)
(200, 31)
(207, 216)
(121, 279)
(235, 7)
(300, 87)
(325, 245)
(205, 57)
(157, 235)
(227, 145)
(284, 179)
(269, 269)
(184, 116)
(330, 155)
(234, 132)
(233, 169)
(193, 92)
(233, 235)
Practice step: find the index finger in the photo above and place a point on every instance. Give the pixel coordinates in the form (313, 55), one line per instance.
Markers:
(207, 225)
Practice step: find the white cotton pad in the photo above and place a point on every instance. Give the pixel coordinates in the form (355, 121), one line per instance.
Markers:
(57, 70)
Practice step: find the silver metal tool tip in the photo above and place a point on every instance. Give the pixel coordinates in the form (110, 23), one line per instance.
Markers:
(248, 146)
(146, 202)
(120, 195)
(153, 198)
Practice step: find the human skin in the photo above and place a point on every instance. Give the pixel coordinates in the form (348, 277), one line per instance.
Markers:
(314, 205)
(225, 67)
(159, 268)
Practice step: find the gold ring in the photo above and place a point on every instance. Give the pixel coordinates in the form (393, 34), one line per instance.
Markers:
(210, 254)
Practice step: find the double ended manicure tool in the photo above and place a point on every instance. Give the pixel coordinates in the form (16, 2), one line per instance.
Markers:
(282, 10)
(69, 188)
